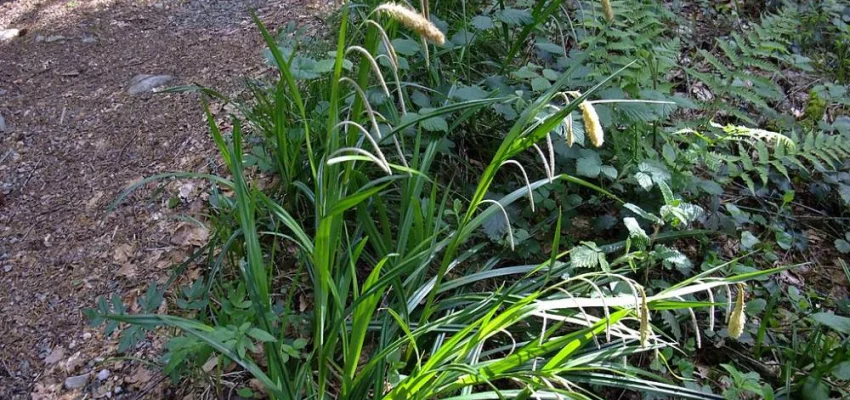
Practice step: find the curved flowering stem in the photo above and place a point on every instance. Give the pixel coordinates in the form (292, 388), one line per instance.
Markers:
(508, 220)
(527, 182)
(375, 68)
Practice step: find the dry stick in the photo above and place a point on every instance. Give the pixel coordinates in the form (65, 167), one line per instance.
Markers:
(126, 145)
(150, 387)
(29, 176)
(5, 155)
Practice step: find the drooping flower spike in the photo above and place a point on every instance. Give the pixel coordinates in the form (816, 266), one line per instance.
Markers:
(413, 21)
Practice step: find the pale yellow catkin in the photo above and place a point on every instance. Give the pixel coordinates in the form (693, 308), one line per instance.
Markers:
(609, 12)
(738, 318)
(592, 127)
(570, 137)
(413, 21)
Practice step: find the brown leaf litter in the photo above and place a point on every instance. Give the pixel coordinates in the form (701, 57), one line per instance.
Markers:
(72, 140)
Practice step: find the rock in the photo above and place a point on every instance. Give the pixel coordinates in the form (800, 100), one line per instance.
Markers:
(76, 382)
(103, 375)
(146, 83)
(117, 389)
(9, 34)
(89, 39)
(3, 91)
(2, 124)
(56, 355)
(55, 38)
(86, 336)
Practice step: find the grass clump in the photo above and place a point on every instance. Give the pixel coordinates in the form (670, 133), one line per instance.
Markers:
(371, 270)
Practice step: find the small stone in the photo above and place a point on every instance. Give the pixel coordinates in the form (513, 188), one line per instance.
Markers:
(86, 336)
(9, 34)
(89, 39)
(3, 91)
(55, 38)
(76, 382)
(103, 375)
(147, 83)
(56, 355)
(2, 124)
(117, 389)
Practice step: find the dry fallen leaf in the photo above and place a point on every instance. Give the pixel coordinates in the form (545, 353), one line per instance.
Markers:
(74, 362)
(189, 234)
(55, 356)
(185, 191)
(127, 270)
(123, 253)
(92, 203)
(210, 364)
(139, 377)
(257, 385)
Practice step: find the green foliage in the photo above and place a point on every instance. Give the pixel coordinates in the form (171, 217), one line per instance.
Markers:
(430, 232)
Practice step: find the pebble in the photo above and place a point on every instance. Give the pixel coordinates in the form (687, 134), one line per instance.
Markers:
(103, 375)
(145, 83)
(2, 124)
(86, 336)
(55, 38)
(9, 34)
(76, 382)
(117, 389)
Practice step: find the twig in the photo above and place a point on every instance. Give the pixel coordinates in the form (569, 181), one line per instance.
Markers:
(28, 232)
(5, 155)
(21, 189)
(33, 75)
(126, 145)
(6, 367)
(150, 387)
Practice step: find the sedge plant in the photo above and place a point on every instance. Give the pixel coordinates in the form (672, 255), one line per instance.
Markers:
(401, 304)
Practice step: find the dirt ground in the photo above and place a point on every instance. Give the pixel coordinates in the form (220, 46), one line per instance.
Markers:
(73, 139)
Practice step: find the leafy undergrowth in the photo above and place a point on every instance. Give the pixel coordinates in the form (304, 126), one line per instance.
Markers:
(527, 199)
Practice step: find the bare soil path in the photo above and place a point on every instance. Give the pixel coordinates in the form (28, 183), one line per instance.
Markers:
(71, 137)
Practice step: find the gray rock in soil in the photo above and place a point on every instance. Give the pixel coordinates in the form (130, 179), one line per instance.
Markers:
(103, 375)
(9, 34)
(76, 382)
(2, 124)
(146, 83)
(55, 38)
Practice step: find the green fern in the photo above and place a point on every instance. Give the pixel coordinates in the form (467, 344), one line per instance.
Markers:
(739, 74)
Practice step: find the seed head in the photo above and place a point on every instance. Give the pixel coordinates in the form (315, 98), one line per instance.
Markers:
(570, 137)
(413, 21)
(738, 319)
(592, 127)
(609, 12)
